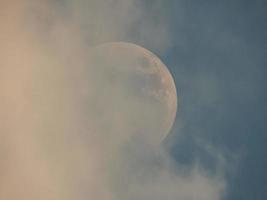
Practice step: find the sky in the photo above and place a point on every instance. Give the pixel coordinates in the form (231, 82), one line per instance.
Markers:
(219, 63)
(59, 135)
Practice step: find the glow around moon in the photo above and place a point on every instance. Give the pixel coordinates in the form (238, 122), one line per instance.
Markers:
(135, 92)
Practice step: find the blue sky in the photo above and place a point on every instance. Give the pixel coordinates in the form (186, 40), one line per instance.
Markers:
(218, 59)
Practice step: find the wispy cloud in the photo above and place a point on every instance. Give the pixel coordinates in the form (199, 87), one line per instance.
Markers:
(54, 142)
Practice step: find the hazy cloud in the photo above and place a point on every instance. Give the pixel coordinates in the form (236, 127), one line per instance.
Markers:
(54, 142)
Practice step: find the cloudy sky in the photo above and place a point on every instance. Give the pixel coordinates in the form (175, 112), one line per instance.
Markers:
(59, 134)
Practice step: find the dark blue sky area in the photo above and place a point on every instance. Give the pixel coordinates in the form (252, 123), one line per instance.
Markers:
(218, 59)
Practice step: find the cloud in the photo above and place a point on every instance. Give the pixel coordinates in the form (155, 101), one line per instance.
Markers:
(55, 143)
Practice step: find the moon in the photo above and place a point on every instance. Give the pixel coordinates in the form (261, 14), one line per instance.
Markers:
(135, 93)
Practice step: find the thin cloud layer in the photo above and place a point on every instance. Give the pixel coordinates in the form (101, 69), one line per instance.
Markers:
(54, 142)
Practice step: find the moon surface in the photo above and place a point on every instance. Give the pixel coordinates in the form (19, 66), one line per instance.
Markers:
(136, 94)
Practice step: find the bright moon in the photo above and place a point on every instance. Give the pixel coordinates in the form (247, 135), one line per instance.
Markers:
(138, 92)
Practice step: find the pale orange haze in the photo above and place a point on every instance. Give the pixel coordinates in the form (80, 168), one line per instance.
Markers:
(55, 144)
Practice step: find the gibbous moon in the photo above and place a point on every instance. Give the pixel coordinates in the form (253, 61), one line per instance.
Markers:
(135, 93)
